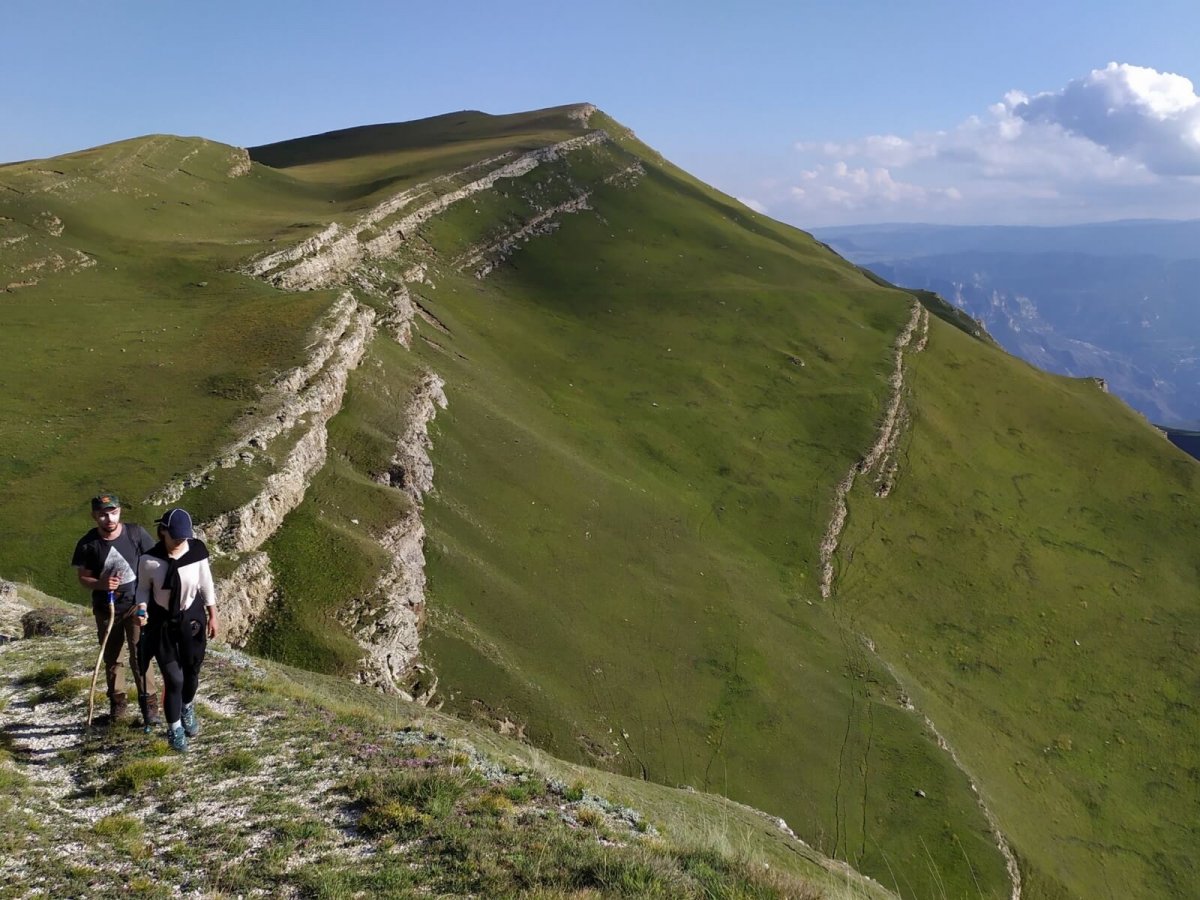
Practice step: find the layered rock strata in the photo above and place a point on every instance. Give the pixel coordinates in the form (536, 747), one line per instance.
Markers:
(882, 450)
(388, 623)
(327, 257)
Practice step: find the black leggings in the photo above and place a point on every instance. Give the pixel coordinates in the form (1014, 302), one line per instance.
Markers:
(179, 649)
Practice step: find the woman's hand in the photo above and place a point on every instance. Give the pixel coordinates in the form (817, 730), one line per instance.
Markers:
(212, 622)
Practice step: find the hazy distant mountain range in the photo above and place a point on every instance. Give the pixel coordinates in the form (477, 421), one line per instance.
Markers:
(1113, 300)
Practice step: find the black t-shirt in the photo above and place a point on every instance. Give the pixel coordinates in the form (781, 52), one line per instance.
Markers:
(118, 557)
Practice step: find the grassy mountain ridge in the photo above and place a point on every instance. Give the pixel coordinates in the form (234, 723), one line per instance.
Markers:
(654, 398)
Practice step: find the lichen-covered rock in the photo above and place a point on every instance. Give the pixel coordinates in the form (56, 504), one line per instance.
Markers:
(48, 621)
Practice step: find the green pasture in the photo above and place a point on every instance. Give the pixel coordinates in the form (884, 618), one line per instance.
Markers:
(1033, 578)
(631, 482)
(649, 409)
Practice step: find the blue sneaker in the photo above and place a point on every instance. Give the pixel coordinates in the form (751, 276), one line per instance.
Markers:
(191, 725)
(177, 739)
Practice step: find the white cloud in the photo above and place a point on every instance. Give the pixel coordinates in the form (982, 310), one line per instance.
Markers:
(862, 188)
(1131, 111)
(1121, 141)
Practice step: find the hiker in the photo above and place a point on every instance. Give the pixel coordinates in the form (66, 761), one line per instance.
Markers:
(106, 559)
(175, 589)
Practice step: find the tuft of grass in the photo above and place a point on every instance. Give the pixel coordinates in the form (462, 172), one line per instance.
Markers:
(47, 676)
(525, 789)
(495, 804)
(125, 833)
(132, 777)
(239, 761)
(69, 688)
(393, 817)
(589, 817)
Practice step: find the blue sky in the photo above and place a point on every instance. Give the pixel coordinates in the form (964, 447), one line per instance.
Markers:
(819, 113)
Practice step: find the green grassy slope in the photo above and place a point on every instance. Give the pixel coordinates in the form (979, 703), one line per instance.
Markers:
(633, 475)
(1033, 578)
(650, 405)
(126, 370)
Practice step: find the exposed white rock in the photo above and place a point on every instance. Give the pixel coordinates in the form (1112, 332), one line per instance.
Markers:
(240, 164)
(399, 318)
(326, 258)
(628, 176)
(388, 623)
(244, 596)
(484, 259)
(248, 526)
(582, 113)
(265, 264)
(887, 437)
(49, 223)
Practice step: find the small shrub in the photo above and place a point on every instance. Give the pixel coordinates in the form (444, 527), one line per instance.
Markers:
(575, 792)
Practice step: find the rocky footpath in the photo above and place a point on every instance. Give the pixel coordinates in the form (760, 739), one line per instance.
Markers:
(291, 792)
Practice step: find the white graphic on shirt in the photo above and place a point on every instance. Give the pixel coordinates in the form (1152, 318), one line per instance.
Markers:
(117, 565)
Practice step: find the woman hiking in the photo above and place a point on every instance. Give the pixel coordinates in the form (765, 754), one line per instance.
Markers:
(175, 592)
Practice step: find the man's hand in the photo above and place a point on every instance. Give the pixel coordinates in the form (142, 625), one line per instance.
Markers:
(212, 622)
(96, 583)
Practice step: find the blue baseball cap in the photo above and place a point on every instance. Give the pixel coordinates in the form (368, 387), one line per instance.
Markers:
(177, 522)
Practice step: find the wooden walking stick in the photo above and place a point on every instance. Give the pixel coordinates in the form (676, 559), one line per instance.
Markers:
(112, 614)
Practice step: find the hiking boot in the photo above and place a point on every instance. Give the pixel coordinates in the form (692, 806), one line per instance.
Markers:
(150, 715)
(118, 708)
(191, 725)
(177, 739)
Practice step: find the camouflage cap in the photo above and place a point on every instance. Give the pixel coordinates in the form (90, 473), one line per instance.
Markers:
(106, 500)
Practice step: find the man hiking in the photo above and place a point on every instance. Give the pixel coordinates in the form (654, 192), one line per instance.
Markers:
(106, 559)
